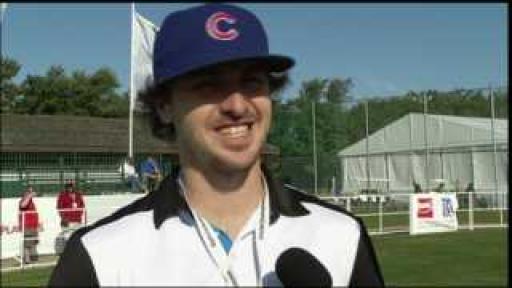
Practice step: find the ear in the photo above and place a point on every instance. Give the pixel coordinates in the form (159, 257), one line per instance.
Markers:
(165, 113)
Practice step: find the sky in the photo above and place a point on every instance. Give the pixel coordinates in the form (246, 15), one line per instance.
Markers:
(386, 49)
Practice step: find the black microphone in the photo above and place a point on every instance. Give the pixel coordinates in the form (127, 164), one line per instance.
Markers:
(296, 267)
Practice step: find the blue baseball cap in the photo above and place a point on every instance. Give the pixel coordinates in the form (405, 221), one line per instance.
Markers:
(210, 34)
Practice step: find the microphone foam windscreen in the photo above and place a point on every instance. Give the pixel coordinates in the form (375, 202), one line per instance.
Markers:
(297, 267)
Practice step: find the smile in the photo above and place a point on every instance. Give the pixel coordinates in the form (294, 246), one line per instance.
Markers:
(237, 131)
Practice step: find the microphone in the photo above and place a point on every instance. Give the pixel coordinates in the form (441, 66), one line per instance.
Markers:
(297, 267)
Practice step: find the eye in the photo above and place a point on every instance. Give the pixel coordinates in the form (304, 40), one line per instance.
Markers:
(255, 82)
(206, 83)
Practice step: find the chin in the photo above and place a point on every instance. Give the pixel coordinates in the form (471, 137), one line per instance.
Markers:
(237, 162)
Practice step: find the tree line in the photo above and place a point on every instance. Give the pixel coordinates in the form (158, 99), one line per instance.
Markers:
(339, 119)
(58, 92)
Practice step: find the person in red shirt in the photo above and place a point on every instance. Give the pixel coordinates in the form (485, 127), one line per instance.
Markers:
(70, 205)
(29, 223)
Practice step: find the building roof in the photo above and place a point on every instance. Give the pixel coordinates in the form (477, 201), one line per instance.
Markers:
(443, 132)
(65, 133)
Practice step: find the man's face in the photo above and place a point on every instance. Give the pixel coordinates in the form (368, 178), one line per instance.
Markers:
(222, 116)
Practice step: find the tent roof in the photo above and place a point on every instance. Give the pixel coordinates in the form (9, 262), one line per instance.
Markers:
(444, 132)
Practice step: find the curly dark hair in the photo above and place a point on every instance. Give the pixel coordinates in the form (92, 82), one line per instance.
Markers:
(153, 95)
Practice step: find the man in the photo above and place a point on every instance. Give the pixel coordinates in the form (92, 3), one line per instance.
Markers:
(416, 186)
(440, 188)
(70, 205)
(150, 174)
(29, 222)
(131, 177)
(221, 220)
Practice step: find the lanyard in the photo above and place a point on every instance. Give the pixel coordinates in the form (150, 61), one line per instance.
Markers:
(214, 247)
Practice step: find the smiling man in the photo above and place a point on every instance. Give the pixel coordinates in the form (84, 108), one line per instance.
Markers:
(221, 220)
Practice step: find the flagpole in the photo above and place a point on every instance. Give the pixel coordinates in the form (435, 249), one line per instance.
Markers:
(3, 9)
(132, 86)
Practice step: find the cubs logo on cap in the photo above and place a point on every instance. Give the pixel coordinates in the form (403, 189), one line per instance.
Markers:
(213, 26)
(210, 34)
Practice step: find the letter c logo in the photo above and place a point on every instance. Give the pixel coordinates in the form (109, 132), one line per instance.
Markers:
(212, 26)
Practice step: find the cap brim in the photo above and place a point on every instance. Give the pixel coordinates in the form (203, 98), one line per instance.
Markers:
(275, 63)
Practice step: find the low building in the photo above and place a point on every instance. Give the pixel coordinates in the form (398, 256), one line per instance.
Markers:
(47, 150)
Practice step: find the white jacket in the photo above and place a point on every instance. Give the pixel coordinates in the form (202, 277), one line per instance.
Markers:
(155, 242)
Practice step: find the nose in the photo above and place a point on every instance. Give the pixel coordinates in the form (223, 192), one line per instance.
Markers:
(235, 105)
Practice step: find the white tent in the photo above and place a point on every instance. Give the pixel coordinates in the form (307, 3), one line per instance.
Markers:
(459, 148)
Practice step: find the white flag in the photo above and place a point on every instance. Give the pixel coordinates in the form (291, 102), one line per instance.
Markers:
(3, 7)
(141, 66)
(143, 39)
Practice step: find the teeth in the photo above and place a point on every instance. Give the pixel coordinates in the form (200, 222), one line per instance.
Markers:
(235, 131)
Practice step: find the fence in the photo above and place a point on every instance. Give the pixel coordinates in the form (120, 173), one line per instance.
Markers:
(382, 214)
(50, 233)
(389, 213)
(94, 173)
(29, 239)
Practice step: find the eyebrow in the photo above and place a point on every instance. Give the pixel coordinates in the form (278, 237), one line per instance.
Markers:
(247, 67)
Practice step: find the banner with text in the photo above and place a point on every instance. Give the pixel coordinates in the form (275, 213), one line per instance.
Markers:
(432, 212)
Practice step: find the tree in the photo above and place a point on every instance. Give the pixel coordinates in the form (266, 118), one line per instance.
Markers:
(293, 128)
(47, 94)
(338, 90)
(78, 94)
(10, 91)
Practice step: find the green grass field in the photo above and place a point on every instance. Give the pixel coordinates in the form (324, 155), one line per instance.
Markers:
(465, 258)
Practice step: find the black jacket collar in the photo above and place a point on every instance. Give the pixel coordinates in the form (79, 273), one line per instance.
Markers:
(167, 201)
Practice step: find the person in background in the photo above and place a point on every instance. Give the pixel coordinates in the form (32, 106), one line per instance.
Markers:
(29, 222)
(71, 206)
(457, 186)
(416, 186)
(440, 188)
(151, 175)
(470, 187)
(131, 176)
(479, 202)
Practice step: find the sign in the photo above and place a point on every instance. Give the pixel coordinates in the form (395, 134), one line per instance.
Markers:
(432, 212)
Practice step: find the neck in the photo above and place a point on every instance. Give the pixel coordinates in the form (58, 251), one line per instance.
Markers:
(226, 201)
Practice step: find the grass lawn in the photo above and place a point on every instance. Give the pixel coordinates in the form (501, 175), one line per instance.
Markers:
(29, 277)
(465, 258)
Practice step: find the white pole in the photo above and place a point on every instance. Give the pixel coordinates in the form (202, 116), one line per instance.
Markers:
(381, 214)
(3, 9)
(493, 137)
(314, 147)
(425, 133)
(367, 130)
(22, 246)
(470, 210)
(132, 84)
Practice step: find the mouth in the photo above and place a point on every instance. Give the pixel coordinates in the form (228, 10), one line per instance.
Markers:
(235, 130)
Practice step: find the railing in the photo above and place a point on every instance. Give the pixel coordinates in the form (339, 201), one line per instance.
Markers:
(389, 213)
(91, 180)
(24, 240)
(382, 214)
(49, 226)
